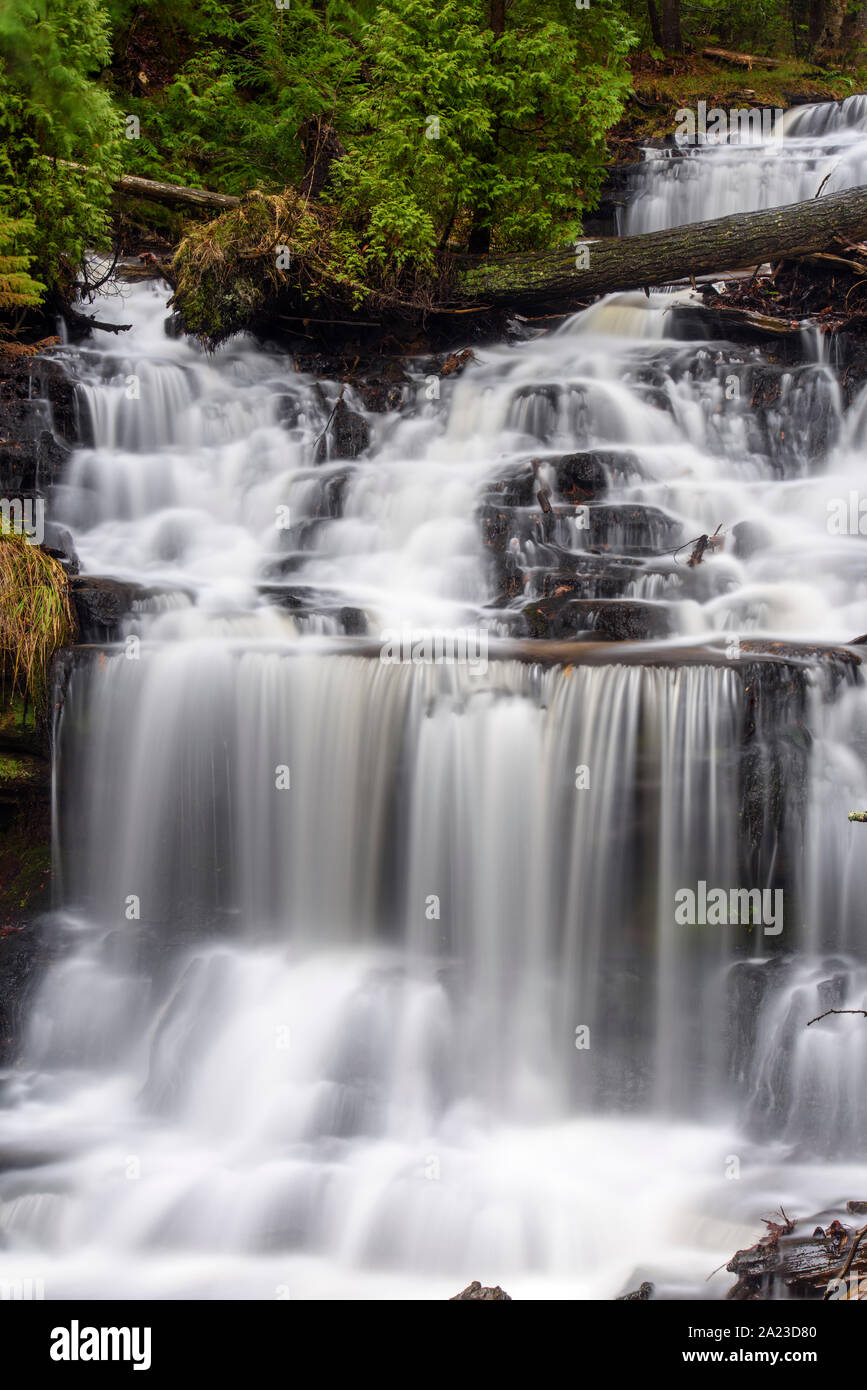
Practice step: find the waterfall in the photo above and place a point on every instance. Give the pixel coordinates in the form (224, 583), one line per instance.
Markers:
(366, 975)
(812, 148)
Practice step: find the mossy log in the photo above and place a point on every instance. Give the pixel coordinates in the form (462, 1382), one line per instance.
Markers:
(228, 280)
(558, 278)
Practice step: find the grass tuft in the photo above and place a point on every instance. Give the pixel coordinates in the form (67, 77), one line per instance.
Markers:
(35, 617)
(275, 250)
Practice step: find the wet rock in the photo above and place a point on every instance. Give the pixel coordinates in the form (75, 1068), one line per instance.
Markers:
(288, 410)
(101, 604)
(633, 527)
(642, 1294)
(347, 436)
(307, 603)
(381, 395)
(516, 487)
(628, 528)
(39, 420)
(58, 542)
(581, 477)
(476, 1293)
(588, 576)
(615, 620)
(30, 457)
(534, 410)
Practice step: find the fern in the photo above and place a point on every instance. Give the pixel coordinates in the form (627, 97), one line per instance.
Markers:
(17, 289)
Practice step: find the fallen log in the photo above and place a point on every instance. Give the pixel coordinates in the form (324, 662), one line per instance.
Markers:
(739, 60)
(821, 1258)
(171, 193)
(599, 267)
(604, 265)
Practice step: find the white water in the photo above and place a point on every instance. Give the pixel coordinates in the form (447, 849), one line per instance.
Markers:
(812, 149)
(288, 1077)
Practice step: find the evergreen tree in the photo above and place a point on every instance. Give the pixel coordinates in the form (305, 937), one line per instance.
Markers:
(481, 123)
(53, 108)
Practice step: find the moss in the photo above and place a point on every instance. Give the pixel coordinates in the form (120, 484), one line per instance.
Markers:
(277, 249)
(20, 772)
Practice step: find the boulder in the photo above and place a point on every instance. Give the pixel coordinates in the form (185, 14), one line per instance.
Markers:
(101, 604)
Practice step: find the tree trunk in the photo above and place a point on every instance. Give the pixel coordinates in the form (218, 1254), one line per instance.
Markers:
(655, 27)
(815, 22)
(553, 280)
(671, 37)
(831, 34)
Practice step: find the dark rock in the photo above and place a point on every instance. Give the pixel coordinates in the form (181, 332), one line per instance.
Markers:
(629, 528)
(581, 477)
(39, 420)
(25, 863)
(516, 487)
(588, 576)
(348, 434)
(381, 395)
(354, 621)
(288, 410)
(101, 604)
(633, 527)
(59, 543)
(613, 620)
(642, 1294)
(304, 601)
(475, 1293)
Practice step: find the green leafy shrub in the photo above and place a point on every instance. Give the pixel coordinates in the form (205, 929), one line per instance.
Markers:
(52, 108)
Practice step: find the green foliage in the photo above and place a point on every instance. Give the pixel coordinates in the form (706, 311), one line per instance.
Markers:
(247, 77)
(228, 271)
(52, 108)
(522, 114)
(460, 130)
(17, 288)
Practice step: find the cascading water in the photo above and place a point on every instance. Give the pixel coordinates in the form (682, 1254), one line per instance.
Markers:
(366, 978)
(793, 156)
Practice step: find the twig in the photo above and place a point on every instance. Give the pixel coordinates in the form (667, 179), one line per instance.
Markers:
(330, 418)
(837, 1011)
(825, 179)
